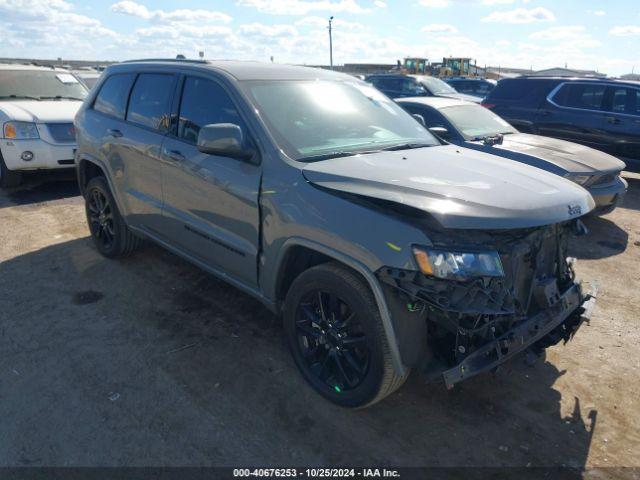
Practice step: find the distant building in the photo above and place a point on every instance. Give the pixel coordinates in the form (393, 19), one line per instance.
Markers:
(568, 72)
(506, 72)
(631, 76)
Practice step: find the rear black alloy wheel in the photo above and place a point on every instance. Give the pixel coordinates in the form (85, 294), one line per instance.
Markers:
(332, 341)
(100, 214)
(110, 233)
(337, 338)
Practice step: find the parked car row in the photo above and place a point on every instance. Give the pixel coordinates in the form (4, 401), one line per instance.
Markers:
(599, 113)
(446, 114)
(398, 86)
(383, 247)
(473, 126)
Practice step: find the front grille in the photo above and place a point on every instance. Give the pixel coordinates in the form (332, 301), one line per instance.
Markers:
(62, 132)
(605, 179)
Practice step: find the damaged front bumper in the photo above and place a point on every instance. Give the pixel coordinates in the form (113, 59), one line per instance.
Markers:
(455, 329)
(558, 322)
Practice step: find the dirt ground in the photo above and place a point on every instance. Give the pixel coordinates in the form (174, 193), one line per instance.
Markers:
(150, 361)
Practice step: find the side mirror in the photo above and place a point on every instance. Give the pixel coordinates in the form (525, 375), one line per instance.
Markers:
(223, 139)
(439, 132)
(419, 118)
(495, 140)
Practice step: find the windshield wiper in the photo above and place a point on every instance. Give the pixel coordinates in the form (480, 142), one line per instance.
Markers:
(407, 146)
(60, 97)
(30, 97)
(336, 154)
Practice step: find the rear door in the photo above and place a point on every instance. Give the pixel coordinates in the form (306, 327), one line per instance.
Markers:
(147, 122)
(105, 121)
(211, 202)
(518, 100)
(622, 121)
(573, 112)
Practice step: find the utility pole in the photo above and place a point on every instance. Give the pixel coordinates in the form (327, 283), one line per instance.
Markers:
(330, 44)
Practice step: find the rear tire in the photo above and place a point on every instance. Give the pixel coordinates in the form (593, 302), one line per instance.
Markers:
(337, 339)
(8, 178)
(110, 233)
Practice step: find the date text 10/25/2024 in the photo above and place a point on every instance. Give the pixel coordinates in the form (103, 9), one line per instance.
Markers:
(316, 472)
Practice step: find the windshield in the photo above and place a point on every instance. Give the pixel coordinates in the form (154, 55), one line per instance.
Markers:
(312, 119)
(476, 122)
(436, 86)
(39, 85)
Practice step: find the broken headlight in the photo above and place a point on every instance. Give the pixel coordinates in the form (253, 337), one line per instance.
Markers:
(458, 265)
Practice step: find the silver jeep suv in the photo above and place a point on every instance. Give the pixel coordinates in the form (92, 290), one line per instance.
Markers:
(383, 249)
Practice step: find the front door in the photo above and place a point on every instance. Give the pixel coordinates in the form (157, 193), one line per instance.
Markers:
(211, 202)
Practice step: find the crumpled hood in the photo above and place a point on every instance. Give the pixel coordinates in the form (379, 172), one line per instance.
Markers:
(61, 111)
(461, 188)
(569, 156)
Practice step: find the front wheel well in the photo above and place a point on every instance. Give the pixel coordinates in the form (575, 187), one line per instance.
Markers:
(297, 260)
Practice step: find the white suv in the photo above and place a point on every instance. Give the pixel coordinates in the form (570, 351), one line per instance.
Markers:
(37, 107)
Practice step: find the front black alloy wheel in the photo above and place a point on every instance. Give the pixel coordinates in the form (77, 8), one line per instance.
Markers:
(332, 341)
(336, 336)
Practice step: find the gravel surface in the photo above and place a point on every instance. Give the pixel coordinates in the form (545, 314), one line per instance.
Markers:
(149, 361)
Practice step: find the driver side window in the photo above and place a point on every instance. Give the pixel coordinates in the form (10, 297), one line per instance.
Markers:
(432, 118)
(204, 102)
(411, 87)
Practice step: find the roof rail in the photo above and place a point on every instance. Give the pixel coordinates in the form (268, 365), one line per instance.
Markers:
(177, 60)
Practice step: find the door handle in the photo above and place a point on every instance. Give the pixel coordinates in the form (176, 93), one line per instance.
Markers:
(613, 120)
(174, 155)
(114, 132)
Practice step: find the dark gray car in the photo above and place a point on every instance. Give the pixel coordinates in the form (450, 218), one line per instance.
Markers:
(473, 126)
(382, 249)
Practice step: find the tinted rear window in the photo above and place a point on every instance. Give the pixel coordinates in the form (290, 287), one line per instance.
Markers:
(113, 95)
(522, 89)
(150, 102)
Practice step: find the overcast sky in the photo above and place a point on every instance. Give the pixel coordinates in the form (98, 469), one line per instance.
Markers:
(585, 34)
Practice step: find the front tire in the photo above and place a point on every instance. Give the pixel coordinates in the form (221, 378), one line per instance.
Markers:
(110, 233)
(337, 339)
(8, 178)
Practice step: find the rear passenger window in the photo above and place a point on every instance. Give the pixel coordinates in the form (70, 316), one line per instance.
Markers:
(580, 95)
(624, 100)
(150, 101)
(204, 102)
(113, 95)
